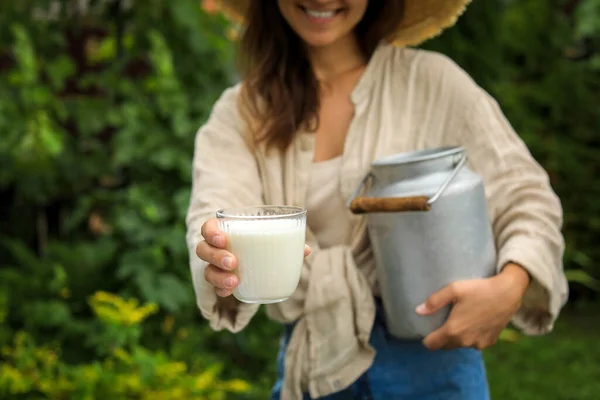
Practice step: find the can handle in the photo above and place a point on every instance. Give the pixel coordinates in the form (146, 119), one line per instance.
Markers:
(361, 205)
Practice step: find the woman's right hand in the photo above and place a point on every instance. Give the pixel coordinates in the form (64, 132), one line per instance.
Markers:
(221, 263)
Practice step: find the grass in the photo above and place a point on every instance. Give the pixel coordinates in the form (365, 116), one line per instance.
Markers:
(564, 365)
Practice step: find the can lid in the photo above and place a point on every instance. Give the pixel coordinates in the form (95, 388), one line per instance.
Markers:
(418, 156)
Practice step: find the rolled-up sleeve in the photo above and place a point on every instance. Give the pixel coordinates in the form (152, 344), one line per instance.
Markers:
(225, 175)
(526, 213)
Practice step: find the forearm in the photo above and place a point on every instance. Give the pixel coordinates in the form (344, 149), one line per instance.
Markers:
(224, 175)
(526, 215)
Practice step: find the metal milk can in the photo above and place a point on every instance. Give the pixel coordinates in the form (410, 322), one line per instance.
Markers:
(429, 226)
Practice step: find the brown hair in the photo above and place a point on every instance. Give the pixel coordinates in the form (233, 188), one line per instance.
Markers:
(280, 93)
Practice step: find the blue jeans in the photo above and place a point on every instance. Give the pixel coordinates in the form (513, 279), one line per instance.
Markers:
(407, 370)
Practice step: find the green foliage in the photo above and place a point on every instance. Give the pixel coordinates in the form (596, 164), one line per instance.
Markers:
(97, 127)
(104, 139)
(540, 60)
(97, 123)
(560, 366)
(127, 371)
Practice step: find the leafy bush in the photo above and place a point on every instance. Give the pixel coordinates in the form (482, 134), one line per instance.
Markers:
(127, 371)
(97, 126)
(538, 58)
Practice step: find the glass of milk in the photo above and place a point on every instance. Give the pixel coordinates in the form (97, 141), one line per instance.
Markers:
(268, 242)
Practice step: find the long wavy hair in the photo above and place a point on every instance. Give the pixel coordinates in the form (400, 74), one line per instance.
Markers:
(280, 92)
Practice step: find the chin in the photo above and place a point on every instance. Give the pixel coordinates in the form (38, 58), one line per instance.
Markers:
(319, 40)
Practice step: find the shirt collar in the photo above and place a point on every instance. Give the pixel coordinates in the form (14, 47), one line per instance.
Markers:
(367, 80)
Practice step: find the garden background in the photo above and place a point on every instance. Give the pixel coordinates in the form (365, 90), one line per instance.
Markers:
(99, 104)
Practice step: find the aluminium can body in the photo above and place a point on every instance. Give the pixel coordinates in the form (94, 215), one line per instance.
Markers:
(419, 252)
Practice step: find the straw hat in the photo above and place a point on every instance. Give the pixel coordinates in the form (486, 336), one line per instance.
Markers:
(423, 19)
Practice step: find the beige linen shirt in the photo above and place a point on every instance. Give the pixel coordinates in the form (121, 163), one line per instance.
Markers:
(406, 100)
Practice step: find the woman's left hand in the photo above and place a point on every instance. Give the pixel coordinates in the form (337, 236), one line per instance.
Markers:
(482, 308)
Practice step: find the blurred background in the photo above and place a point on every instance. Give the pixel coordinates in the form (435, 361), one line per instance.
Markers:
(99, 104)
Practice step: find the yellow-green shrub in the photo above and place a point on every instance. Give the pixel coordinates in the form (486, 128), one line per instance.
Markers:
(129, 371)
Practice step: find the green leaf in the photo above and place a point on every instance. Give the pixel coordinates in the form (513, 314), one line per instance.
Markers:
(59, 280)
(23, 255)
(588, 14)
(583, 278)
(173, 292)
(25, 56)
(59, 70)
(166, 290)
(51, 140)
(509, 335)
(47, 314)
(140, 261)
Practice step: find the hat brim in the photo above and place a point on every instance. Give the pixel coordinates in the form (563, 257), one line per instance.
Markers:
(422, 20)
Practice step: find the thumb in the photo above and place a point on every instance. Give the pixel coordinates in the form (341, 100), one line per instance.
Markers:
(438, 300)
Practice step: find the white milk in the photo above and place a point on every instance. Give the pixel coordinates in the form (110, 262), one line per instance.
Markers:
(270, 255)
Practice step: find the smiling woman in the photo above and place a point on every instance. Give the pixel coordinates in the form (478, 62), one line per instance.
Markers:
(283, 80)
(328, 87)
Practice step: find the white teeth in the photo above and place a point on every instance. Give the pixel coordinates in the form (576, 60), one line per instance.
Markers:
(321, 14)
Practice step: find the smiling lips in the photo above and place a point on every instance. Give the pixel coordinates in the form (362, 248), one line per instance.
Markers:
(320, 16)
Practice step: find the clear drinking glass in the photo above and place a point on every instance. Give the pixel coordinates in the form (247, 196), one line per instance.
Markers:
(268, 242)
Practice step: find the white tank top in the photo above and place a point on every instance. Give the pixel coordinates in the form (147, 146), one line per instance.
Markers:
(327, 213)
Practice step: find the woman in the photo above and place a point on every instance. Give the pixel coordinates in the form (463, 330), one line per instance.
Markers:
(324, 93)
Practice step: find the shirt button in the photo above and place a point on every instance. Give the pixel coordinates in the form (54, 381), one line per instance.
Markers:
(306, 143)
